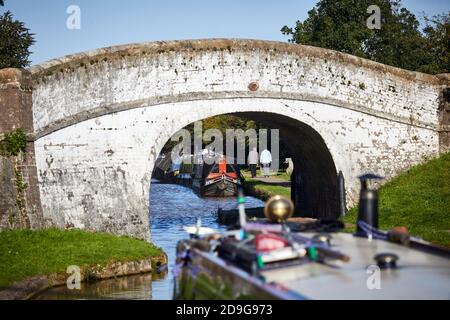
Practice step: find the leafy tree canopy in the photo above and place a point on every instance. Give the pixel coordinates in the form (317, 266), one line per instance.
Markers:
(342, 25)
(15, 41)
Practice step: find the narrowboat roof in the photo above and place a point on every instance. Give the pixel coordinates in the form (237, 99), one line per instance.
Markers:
(418, 275)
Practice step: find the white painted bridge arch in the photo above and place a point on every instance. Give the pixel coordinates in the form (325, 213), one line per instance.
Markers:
(101, 118)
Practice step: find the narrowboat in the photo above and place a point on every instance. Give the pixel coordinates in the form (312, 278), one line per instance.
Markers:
(273, 258)
(165, 171)
(185, 173)
(179, 170)
(214, 177)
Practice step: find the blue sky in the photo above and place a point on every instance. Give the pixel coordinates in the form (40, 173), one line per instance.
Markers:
(105, 23)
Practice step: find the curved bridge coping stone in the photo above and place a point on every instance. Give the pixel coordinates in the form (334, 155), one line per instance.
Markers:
(164, 72)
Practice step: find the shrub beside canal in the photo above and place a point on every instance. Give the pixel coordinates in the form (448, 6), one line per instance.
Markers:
(27, 253)
(418, 199)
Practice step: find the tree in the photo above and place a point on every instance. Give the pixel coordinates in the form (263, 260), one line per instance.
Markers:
(342, 25)
(15, 41)
(337, 25)
(437, 34)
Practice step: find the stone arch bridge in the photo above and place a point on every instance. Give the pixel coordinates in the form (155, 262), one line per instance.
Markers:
(98, 120)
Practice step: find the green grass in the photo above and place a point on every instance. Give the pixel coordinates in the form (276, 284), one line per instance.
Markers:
(270, 188)
(418, 199)
(26, 253)
(282, 175)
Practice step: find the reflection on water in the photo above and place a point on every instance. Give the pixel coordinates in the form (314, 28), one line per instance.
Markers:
(172, 207)
(138, 287)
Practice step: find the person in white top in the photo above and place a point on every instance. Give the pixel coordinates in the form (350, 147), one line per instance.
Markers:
(265, 159)
(252, 160)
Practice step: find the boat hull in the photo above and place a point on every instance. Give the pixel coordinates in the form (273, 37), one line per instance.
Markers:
(203, 276)
(222, 188)
(420, 275)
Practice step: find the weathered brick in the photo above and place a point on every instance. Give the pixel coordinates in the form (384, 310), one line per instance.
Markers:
(16, 112)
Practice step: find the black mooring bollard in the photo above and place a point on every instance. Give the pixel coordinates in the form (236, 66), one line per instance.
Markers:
(368, 204)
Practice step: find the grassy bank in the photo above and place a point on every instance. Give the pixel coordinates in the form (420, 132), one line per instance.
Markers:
(418, 199)
(264, 189)
(26, 253)
(267, 188)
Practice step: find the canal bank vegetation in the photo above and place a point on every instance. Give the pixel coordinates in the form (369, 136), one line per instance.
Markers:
(264, 190)
(277, 184)
(418, 199)
(28, 253)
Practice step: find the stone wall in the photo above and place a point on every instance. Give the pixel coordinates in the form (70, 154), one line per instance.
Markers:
(18, 208)
(101, 117)
(444, 114)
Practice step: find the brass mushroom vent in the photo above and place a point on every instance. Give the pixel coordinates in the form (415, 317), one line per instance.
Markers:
(278, 209)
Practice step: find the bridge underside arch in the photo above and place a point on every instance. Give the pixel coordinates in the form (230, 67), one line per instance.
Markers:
(96, 174)
(314, 183)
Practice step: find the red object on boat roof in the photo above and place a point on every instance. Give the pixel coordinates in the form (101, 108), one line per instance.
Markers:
(222, 170)
(269, 242)
(222, 165)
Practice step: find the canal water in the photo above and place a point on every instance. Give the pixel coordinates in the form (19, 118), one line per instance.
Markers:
(172, 207)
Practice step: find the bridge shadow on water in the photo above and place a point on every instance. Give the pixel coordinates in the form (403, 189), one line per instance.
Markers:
(174, 206)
